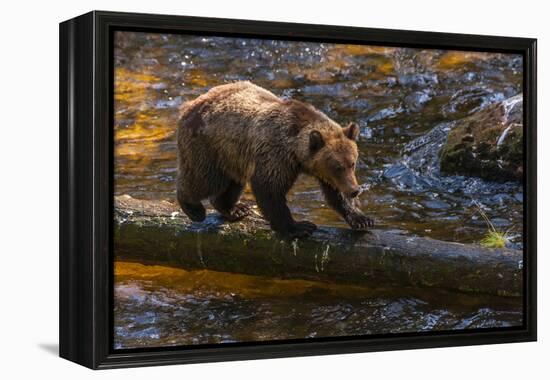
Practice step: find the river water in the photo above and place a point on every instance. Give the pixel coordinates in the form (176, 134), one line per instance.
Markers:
(395, 95)
(159, 306)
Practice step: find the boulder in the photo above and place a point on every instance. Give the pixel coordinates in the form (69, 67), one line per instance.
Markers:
(487, 144)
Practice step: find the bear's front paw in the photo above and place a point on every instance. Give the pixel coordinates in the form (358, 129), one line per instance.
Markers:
(301, 229)
(239, 211)
(360, 222)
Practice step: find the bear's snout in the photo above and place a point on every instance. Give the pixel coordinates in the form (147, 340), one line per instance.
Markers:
(349, 186)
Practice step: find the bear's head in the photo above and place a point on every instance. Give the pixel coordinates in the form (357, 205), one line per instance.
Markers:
(333, 154)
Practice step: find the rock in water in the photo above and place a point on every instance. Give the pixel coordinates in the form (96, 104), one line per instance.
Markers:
(488, 143)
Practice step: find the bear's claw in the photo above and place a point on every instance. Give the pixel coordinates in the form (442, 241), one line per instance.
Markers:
(302, 229)
(239, 211)
(360, 222)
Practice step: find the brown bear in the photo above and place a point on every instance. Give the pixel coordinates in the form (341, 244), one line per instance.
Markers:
(240, 133)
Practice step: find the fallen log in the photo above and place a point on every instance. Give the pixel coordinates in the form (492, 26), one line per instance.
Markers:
(157, 232)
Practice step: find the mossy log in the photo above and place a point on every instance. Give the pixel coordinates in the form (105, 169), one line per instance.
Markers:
(156, 232)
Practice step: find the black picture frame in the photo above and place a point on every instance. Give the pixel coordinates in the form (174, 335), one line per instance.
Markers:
(86, 188)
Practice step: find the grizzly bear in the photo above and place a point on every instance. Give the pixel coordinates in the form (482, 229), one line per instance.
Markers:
(240, 133)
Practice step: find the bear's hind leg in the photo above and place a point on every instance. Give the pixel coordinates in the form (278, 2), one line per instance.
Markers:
(227, 203)
(195, 211)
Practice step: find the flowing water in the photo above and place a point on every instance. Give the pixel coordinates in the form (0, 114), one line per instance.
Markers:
(395, 95)
(159, 306)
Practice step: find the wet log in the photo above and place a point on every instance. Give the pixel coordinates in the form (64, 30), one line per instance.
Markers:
(156, 232)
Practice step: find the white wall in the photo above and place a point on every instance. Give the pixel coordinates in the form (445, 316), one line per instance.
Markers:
(29, 186)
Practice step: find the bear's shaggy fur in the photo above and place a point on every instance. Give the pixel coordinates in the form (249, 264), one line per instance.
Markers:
(240, 133)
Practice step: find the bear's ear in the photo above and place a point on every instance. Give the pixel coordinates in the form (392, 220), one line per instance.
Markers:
(316, 141)
(352, 131)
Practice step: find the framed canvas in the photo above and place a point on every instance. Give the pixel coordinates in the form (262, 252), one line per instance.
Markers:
(237, 189)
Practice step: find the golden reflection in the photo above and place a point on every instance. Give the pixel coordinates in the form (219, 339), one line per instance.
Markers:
(131, 87)
(185, 281)
(452, 59)
(138, 141)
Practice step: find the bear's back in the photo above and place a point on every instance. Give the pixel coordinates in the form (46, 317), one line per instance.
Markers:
(229, 122)
(242, 98)
(237, 109)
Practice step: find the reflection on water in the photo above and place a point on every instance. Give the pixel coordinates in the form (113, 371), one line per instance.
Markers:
(394, 94)
(159, 306)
